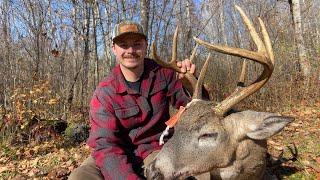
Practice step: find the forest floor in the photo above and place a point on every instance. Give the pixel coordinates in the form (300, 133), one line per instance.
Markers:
(55, 160)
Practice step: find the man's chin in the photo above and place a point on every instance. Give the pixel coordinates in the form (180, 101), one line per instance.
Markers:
(132, 66)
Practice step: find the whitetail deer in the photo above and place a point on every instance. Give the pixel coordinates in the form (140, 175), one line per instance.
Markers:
(209, 139)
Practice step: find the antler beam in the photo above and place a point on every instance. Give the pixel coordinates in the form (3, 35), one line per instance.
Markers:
(191, 80)
(264, 56)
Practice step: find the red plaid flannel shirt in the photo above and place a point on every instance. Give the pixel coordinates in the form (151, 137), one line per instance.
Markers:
(126, 125)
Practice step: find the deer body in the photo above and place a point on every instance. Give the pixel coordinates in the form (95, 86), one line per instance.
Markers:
(209, 139)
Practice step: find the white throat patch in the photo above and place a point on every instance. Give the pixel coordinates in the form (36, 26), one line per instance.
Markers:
(192, 102)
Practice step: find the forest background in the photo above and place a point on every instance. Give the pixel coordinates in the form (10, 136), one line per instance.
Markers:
(55, 52)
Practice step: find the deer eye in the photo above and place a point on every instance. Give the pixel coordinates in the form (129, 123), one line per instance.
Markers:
(209, 135)
(208, 140)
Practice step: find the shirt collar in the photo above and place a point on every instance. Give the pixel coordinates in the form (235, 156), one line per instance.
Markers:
(149, 71)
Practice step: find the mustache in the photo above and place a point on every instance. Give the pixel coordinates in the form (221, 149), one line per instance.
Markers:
(132, 56)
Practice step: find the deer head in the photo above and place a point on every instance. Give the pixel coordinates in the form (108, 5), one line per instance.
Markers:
(208, 138)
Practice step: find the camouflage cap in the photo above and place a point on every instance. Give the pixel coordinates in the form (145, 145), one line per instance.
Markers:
(127, 27)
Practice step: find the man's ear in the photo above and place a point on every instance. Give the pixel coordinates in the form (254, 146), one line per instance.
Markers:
(113, 48)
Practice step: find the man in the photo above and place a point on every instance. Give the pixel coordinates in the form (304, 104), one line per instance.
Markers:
(129, 108)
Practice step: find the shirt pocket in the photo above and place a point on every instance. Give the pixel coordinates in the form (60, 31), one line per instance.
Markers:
(157, 87)
(158, 97)
(128, 116)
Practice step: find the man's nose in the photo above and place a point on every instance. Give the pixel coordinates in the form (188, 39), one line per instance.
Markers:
(130, 49)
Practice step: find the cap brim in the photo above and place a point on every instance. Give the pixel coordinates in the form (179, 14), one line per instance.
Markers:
(128, 33)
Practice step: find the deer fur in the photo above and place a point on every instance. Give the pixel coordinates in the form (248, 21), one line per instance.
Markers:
(231, 147)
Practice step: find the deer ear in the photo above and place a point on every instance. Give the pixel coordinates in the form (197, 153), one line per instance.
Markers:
(269, 127)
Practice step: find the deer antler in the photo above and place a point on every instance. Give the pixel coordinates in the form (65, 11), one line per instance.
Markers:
(264, 55)
(191, 80)
(197, 94)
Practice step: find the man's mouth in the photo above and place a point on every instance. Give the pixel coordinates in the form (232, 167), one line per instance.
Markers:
(131, 56)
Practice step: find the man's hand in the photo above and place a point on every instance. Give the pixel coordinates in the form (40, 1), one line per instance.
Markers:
(185, 66)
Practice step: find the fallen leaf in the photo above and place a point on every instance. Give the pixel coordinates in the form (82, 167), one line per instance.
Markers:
(71, 168)
(295, 124)
(58, 173)
(69, 163)
(318, 160)
(279, 148)
(271, 142)
(19, 177)
(52, 101)
(33, 172)
(3, 169)
(3, 160)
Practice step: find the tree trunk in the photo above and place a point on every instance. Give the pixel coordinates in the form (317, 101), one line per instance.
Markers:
(86, 55)
(304, 63)
(5, 57)
(105, 24)
(96, 71)
(70, 96)
(144, 9)
(222, 21)
(189, 21)
(124, 9)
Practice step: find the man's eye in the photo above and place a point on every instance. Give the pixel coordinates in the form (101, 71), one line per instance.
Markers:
(122, 44)
(137, 44)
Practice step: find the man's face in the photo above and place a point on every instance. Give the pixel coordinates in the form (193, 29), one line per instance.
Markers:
(130, 50)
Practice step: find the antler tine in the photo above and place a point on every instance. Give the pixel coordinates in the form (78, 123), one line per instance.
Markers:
(198, 89)
(173, 63)
(157, 59)
(190, 80)
(264, 56)
(193, 54)
(267, 41)
(255, 56)
(243, 73)
(252, 30)
(174, 46)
